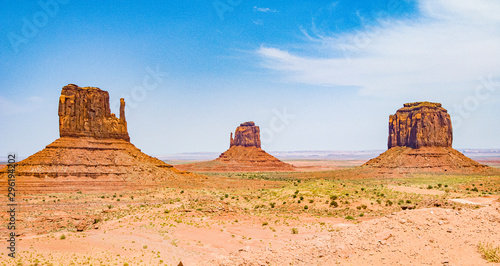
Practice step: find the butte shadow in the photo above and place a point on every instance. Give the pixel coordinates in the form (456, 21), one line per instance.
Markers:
(420, 139)
(93, 152)
(244, 154)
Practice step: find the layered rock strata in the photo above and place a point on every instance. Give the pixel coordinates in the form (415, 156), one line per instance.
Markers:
(244, 154)
(420, 138)
(246, 135)
(93, 152)
(85, 112)
(420, 124)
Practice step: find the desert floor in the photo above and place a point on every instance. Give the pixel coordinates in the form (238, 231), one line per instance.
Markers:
(316, 216)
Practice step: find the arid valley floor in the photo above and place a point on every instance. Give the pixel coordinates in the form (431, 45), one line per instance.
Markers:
(325, 213)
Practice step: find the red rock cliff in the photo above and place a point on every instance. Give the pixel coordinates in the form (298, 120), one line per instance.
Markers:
(85, 112)
(247, 135)
(420, 124)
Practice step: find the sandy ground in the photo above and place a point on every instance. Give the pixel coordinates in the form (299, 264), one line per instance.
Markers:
(417, 190)
(430, 236)
(323, 165)
(222, 235)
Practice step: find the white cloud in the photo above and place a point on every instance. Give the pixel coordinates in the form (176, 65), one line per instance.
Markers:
(264, 9)
(449, 47)
(258, 22)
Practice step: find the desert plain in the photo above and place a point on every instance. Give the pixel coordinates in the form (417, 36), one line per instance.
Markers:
(268, 218)
(92, 198)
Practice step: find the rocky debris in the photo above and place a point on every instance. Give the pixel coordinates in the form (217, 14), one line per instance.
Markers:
(246, 135)
(420, 138)
(86, 223)
(420, 124)
(93, 152)
(85, 112)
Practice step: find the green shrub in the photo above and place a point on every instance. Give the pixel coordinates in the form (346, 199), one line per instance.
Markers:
(489, 252)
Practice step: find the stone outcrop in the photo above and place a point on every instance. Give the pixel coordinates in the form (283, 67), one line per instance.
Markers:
(420, 124)
(246, 135)
(244, 154)
(85, 112)
(420, 138)
(93, 152)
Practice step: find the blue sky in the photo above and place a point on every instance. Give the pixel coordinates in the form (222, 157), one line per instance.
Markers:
(316, 76)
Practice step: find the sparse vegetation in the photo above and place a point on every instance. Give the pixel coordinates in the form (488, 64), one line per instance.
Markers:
(162, 209)
(489, 252)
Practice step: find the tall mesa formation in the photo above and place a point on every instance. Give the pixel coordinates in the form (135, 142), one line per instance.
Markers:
(85, 112)
(420, 124)
(246, 135)
(93, 152)
(420, 138)
(244, 154)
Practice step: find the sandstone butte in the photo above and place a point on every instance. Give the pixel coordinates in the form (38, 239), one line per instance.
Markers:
(420, 138)
(93, 152)
(244, 154)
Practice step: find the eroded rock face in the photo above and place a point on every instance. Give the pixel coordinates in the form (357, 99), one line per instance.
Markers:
(94, 152)
(420, 138)
(85, 112)
(244, 154)
(246, 135)
(420, 124)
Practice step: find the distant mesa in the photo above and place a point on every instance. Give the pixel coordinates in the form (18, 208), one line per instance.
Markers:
(246, 135)
(244, 154)
(420, 137)
(93, 152)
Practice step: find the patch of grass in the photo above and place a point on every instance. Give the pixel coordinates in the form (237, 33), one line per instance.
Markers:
(295, 231)
(489, 252)
(349, 217)
(63, 237)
